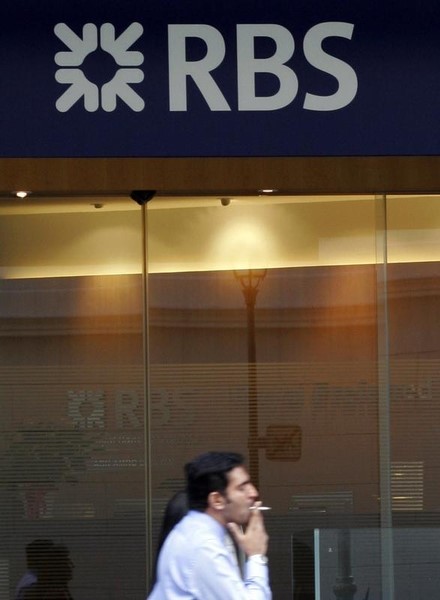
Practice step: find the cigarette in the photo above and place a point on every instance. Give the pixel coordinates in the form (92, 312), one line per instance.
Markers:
(260, 508)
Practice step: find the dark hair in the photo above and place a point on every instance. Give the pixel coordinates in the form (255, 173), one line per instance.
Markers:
(209, 473)
(62, 565)
(36, 554)
(175, 510)
(56, 568)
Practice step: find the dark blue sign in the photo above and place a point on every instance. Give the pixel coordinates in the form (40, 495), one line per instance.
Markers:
(219, 78)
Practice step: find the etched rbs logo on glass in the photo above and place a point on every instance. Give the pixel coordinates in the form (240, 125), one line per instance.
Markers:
(118, 87)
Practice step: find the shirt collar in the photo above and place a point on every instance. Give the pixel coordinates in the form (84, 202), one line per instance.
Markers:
(209, 521)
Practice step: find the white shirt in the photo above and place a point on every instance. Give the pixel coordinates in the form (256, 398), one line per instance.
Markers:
(26, 581)
(195, 564)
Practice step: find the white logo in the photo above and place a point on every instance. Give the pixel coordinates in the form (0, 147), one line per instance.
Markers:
(79, 48)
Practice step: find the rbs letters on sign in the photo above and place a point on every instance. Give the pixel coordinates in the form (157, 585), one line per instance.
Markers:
(248, 66)
(196, 79)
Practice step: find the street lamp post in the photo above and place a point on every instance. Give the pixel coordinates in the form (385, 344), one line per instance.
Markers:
(250, 281)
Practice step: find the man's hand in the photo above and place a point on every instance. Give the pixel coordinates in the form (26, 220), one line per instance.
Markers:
(255, 539)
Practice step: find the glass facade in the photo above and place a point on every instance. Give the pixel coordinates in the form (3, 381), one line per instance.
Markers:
(72, 395)
(300, 331)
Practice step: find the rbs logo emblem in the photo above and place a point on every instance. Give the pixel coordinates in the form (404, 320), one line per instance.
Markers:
(126, 62)
(122, 87)
(248, 66)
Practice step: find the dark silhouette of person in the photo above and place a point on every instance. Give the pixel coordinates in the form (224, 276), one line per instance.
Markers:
(55, 570)
(35, 555)
(303, 566)
(176, 508)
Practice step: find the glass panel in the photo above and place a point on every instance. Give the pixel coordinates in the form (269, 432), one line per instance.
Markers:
(347, 563)
(293, 377)
(414, 308)
(72, 393)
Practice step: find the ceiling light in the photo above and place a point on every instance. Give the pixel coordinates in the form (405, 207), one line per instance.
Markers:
(267, 191)
(22, 194)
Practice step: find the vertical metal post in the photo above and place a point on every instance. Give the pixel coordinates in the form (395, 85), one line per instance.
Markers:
(386, 531)
(147, 409)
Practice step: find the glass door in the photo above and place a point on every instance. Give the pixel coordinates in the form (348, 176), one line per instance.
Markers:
(263, 338)
(72, 393)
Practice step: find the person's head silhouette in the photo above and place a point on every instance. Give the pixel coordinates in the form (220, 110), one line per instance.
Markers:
(37, 553)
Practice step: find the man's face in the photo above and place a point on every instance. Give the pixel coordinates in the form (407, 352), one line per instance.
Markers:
(240, 495)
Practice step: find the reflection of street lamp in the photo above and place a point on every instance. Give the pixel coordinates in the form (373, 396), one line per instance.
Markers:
(250, 281)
